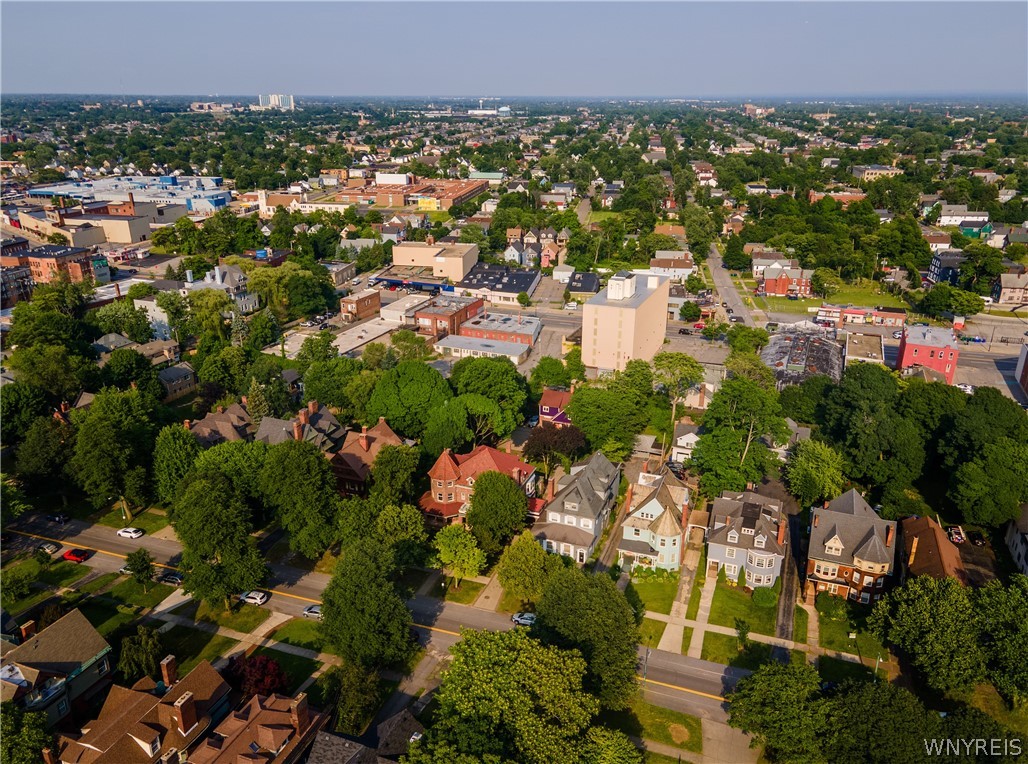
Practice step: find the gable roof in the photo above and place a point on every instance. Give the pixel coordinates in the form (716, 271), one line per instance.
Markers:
(59, 649)
(934, 554)
(555, 399)
(863, 533)
(360, 449)
(586, 487)
(233, 423)
(736, 511)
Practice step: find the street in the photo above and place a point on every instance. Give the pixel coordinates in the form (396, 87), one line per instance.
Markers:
(724, 288)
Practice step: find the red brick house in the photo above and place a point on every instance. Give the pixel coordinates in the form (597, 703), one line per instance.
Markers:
(930, 347)
(352, 462)
(852, 550)
(782, 282)
(452, 481)
(552, 407)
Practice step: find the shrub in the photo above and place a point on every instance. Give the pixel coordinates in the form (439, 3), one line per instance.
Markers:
(831, 607)
(765, 596)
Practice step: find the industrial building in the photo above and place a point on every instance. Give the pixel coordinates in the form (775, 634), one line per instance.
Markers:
(801, 351)
(201, 195)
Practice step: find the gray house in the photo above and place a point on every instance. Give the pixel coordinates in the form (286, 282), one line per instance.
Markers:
(572, 522)
(747, 533)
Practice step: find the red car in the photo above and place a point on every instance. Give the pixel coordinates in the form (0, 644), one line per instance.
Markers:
(76, 555)
(699, 325)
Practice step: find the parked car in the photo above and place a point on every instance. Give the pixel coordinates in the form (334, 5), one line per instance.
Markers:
(355, 282)
(323, 327)
(571, 306)
(729, 311)
(699, 325)
(312, 611)
(172, 577)
(685, 331)
(49, 547)
(124, 570)
(976, 538)
(533, 421)
(523, 619)
(735, 319)
(724, 305)
(60, 519)
(897, 335)
(131, 533)
(76, 555)
(956, 534)
(256, 597)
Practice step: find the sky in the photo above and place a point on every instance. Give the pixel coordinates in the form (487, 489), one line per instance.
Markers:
(732, 50)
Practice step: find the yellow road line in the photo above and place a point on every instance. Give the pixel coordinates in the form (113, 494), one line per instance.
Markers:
(83, 546)
(682, 689)
(295, 596)
(435, 628)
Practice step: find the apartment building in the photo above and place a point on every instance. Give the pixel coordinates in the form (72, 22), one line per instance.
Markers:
(931, 348)
(625, 321)
(872, 172)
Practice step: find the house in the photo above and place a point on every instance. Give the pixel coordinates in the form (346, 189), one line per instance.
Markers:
(396, 733)
(572, 522)
(394, 736)
(733, 225)
(353, 461)
(769, 259)
(275, 729)
(1011, 289)
(178, 380)
(930, 347)
(852, 550)
(927, 551)
(797, 434)
(552, 254)
(361, 305)
(583, 284)
(1017, 539)
(686, 437)
(784, 282)
(748, 536)
(652, 533)
(222, 425)
(975, 229)
(945, 265)
(562, 273)
(874, 172)
(151, 722)
(956, 214)
(552, 407)
(314, 424)
(675, 265)
(452, 480)
(938, 241)
(64, 666)
(229, 279)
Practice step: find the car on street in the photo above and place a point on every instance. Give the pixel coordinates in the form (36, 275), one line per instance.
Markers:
(256, 597)
(172, 577)
(571, 306)
(699, 325)
(323, 327)
(49, 547)
(60, 519)
(523, 619)
(724, 305)
(685, 331)
(76, 555)
(124, 570)
(312, 611)
(969, 389)
(897, 335)
(729, 311)
(131, 533)
(735, 319)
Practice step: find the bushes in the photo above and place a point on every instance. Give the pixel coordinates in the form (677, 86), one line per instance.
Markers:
(831, 607)
(765, 596)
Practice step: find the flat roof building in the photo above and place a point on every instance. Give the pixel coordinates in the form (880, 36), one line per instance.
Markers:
(469, 347)
(627, 320)
(523, 330)
(447, 261)
(200, 195)
(869, 348)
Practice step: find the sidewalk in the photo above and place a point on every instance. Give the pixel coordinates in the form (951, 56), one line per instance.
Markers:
(702, 615)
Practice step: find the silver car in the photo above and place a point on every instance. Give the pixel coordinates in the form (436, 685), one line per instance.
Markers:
(312, 611)
(523, 619)
(256, 597)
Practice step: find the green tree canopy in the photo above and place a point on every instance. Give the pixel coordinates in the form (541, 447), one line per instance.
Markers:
(498, 510)
(406, 396)
(298, 484)
(458, 552)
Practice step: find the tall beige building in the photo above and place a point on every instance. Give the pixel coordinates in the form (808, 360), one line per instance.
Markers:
(625, 321)
(447, 261)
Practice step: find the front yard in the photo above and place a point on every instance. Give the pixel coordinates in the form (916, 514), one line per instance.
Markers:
(130, 592)
(661, 725)
(650, 632)
(302, 632)
(466, 594)
(657, 592)
(242, 618)
(734, 602)
(149, 520)
(835, 634)
(190, 646)
(723, 648)
(297, 668)
(56, 576)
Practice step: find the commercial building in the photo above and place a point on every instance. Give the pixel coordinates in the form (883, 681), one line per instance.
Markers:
(455, 346)
(847, 315)
(48, 262)
(451, 262)
(872, 172)
(428, 195)
(276, 101)
(16, 284)
(200, 195)
(931, 348)
(800, 352)
(627, 320)
(868, 348)
(523, 330)
(360, 305)
(444, 314)
(499, 284)
(403, 312)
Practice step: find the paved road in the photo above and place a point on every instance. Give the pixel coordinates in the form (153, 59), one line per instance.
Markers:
(725, 289)
(582, 210)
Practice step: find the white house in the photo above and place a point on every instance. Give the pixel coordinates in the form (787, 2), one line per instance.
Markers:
(685, 440)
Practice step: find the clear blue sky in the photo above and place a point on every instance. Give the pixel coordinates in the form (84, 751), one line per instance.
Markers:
(710, 49)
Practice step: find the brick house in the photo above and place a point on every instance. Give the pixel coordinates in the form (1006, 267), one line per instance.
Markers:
(852, 550)
(452, 481)
(931, 348)
(782, 282)
(357, 307)
(352, 462)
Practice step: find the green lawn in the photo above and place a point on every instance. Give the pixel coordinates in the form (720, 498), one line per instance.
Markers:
(657, 594)
(130, 592)
(864, 295)
(298, 669)
(302, 632)
(57, 576)
(148, 520)
(661, 725)
(107, 619)
(649, 757)
(837, 670)
(439, 216)
(799, 625)
(697, 586)
(650, 632)
(466, 594)
(686, 640)
(601, 215)
(242, 618)
(98, 583)
(190, 646)
(987, 700)
(510, 603)
(723, 648)
(732, 602)
(834, 635)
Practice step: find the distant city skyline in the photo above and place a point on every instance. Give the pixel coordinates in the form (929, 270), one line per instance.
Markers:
(736, 50)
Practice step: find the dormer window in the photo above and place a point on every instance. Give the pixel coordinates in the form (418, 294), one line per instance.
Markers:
(570, 506)
(733, 537)
(155, 746)
(758, 542)
(834, 547)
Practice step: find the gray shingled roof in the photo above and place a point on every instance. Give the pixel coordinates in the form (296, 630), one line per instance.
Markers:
(860, 529)
(746, 510)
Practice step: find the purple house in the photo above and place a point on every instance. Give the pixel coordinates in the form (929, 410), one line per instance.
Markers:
(552, 405)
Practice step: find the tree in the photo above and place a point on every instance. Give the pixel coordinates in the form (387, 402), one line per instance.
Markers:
(1002, 613)
(20, 405)
(122, 318)
(606, 417)
(403, 528)
(42, 458)
(749, 366)
(575, 367)
(207, 309)
(257, 405)
(781, 707)
(256, 675)
(498, 380)
(363, 616)
(590, 614)
(126, 367)
(316, 348)
(548, 443)
(825, 282)
(549, 372)
(175, 452)
(933, 621)
(458, 552)
(218, 554)
(506, 694)
(406, 396)
(140, 566)
(814, 472)
(607, 746)
(297, 483)
(749, 410)
(498, 510)
(176, 308)
(13, 501)
(524, 300)
(689, 311)
(57, 238)
(990, 489)
(677, 372)
(141, 654)
(525, 567)
(54, 369)
(409, 346)
(23, 734)
(351, 692)
(326, 381)
(393, 474)
(464, 421)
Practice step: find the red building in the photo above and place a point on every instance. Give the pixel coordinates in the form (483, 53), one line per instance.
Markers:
(452, 481)
(444, 315)
(932, 348)
(782, 282)
(503, 328)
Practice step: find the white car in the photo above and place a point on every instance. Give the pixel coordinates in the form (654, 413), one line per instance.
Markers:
(312, 611)
(256, 597)
(131, 533)
(897, 335)
(523, 619)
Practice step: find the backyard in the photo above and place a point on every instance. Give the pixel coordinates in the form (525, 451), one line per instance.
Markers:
(733, 603)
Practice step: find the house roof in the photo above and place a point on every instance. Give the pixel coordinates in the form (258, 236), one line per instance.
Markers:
(744, 511)
(862, 532)
(586, 487)
(257, 731)
(175, 373)
(395, 733)
(555, 399)
(59, 649)
(333, 749)
(360, 449)
(231, 424)
(934, 555)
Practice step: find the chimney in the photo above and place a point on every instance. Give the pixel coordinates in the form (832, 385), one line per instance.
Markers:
(913, 551)
(430, 239)
(242, 400)
(551, 489)
(304, 417)
(298, 713)
(516, 474)
(217, 274)
(185, 711)
(363, 440)
(297, 430)
(185, 423)
(816, 518)
(781, 531)
(170, 756)
(889, 533)
(381, 420)
(169, 670)
(27, 630)
(221, 409)
(48, 756)
(65, 407)
(312, 407)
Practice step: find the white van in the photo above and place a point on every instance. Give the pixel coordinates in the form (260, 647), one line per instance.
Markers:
(571, 306)
(355, 282)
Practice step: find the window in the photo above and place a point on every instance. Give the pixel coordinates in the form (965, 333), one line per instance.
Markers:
(635, 532)
(471, 481)
(553, 517)
(856, 577)
(748, 531)
(581, 555)
(62, 707)
(730, 553)
(733, 537)
(449, 497)
(155, 746)
(103, 666)
(570, 520)
(880, 582)
(865, 597)
(826, 570)
(758, 542)
(587, 524)
(833, 548)
(731, 570)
